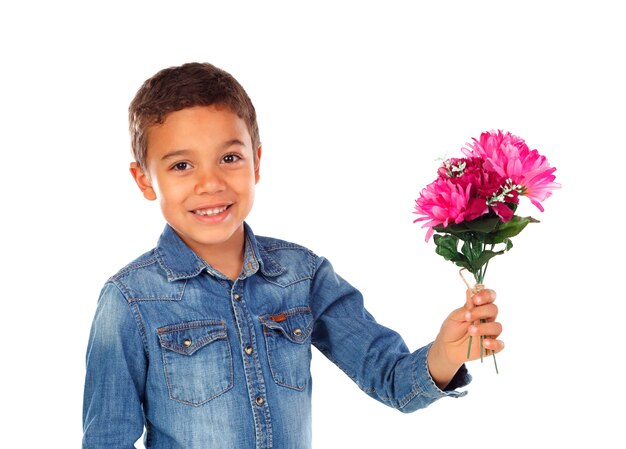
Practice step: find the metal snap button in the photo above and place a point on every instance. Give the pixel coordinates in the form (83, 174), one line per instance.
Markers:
(236, 297)
(260, 401)
(187, 342)
(297, 332)
(248, 350)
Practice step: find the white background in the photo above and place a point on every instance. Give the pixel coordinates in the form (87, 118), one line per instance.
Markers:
(356, 101)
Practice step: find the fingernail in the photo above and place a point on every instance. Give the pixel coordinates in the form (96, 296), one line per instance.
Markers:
(468, 316)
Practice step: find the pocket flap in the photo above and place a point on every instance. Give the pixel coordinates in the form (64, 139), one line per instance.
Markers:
(295, 324)
(187, 338)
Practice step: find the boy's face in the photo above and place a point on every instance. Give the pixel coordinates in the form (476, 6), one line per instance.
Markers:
(200, 165)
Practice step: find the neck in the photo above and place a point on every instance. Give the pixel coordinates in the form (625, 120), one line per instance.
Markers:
(228, 257)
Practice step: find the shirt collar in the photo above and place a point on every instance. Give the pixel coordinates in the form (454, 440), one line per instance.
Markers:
(180, 262)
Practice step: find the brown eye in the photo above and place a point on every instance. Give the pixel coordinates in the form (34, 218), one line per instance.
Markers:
(230, 158)
(180, 166)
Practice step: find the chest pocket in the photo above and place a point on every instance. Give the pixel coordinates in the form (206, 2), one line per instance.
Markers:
(197, 360)
(288, 341)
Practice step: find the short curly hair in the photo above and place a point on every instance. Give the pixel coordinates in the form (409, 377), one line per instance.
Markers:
(185, 86)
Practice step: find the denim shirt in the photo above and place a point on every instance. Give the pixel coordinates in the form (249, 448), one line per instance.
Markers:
(200, 361)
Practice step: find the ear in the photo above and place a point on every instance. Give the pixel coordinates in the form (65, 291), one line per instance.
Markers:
(143, 181)
(257, 164)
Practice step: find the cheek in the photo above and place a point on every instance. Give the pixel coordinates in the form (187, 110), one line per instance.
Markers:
(244, 182)
(171, 191)
(251, 186)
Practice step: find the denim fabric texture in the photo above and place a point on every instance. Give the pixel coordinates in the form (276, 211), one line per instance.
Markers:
(200, 361)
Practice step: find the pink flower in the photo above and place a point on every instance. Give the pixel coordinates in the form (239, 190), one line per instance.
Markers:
(486, 185)
(510, 157)
(444, 201)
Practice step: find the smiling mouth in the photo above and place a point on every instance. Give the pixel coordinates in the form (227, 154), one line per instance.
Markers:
(210, 211)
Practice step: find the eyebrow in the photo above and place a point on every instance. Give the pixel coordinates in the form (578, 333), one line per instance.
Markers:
(225, 145)
(174, 153)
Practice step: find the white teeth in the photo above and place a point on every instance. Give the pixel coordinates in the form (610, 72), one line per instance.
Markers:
(214, 211)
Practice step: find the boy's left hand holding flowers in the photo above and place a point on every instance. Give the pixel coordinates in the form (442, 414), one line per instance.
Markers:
(475, 319)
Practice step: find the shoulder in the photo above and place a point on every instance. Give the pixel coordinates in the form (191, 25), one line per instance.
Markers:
(143, 262)
(144, 278)
(271, 244)
(290, 257)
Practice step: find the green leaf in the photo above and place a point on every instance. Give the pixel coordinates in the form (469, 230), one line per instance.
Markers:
(459, 231)
(478, 229)
(446, 246)
(509, 229)
(483, 225)
(485, 257)
(472, 250)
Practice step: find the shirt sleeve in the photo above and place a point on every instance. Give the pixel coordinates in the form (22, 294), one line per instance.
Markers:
(376, 358)
(115, 378)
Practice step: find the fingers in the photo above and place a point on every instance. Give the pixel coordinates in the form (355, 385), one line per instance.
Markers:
(488, 333)
(489, 329)
(480, 315)
(491, 345)
(488, 312)
(478, 298)
(484, 296)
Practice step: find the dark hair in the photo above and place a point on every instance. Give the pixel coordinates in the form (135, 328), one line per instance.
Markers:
(176, 88)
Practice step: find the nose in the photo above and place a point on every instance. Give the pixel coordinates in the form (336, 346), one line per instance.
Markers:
(209, 180)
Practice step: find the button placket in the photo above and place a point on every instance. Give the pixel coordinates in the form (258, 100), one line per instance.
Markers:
(252, 367)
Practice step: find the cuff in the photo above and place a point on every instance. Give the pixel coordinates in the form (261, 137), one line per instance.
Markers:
(426, 383)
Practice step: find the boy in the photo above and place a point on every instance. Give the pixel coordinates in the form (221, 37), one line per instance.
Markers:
(205, 341)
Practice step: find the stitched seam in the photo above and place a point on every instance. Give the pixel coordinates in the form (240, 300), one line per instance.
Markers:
(141, 329)
(138, 322)
(131, 298)
(196, 404)
(240, 319)
(297, 311)
(133, 267)
(190, 325)
(215, 335)
(276, 244)
(155, 298)
(415, 389)
(275, 376)
(179, 275)
(300, 279)
(290, 312)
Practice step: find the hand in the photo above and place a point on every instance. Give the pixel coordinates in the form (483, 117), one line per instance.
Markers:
(449, 350)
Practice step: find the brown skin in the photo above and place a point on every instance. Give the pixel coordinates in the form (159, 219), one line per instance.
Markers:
(202, 159)
(449, 350)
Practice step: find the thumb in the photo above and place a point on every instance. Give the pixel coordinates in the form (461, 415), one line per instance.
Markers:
(459, 314)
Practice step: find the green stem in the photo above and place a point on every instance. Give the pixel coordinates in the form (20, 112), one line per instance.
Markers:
(487, 264)
(482, 348)
(480, 277)
(495, 363)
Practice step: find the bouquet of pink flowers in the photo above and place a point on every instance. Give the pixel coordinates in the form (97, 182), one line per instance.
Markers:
(470, 207)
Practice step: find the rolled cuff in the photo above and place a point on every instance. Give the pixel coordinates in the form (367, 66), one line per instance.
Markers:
(424, 387)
